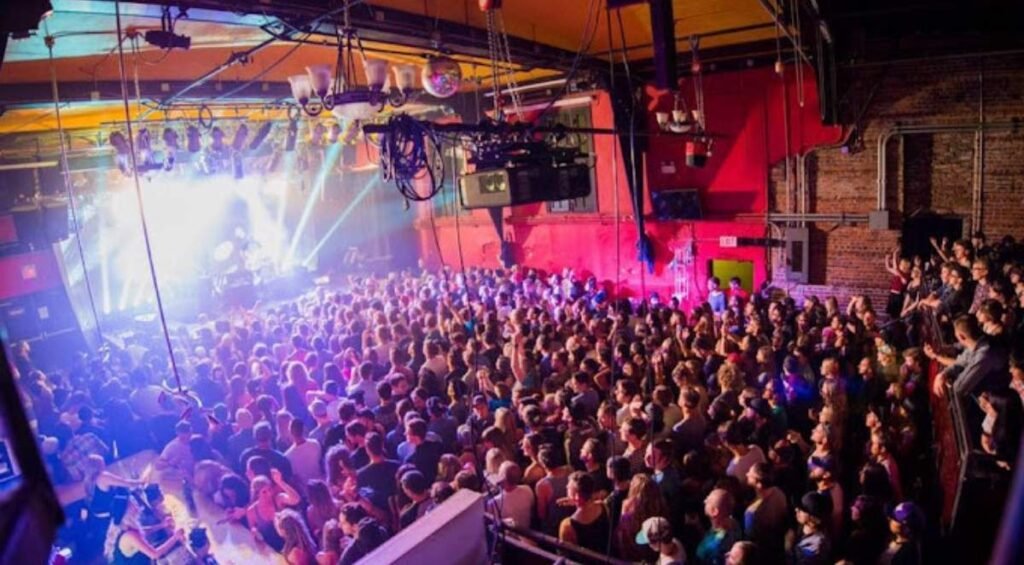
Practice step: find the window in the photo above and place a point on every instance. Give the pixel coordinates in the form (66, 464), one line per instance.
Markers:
(577, 117)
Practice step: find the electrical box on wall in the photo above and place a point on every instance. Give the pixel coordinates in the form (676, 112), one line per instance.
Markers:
(797, 255)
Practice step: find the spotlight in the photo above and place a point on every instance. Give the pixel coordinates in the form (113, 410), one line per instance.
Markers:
(293, 134)
(217, 135)
(167, 39)
(120, 145)
(241, 135)
(261, 134)
(171, 143)
(317, 135)
(193, 142)
(145, 152)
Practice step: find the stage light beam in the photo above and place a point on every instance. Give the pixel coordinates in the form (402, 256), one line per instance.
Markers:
(341, 219)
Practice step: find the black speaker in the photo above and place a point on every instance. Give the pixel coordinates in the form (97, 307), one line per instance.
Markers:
(28, 222)
(676, 204)
(19, 319)
(53, 311)
(55, 219)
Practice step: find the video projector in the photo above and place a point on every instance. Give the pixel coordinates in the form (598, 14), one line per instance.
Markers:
(509, 174)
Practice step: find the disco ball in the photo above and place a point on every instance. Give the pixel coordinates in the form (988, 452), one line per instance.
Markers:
(441, 77)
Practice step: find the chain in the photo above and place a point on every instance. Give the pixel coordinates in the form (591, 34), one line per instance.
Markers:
(512, 84)
(492, 50)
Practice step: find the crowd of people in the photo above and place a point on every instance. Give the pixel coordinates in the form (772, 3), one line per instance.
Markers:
(750, 428)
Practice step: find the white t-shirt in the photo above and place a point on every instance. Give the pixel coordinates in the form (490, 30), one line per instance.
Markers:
(305, 460)
(739, 466)
(516, 505)
(677, 558)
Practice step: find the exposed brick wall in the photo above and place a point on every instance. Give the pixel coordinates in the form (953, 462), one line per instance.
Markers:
(926, 172)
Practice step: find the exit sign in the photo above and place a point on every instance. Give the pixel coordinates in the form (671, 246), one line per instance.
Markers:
(727, 241)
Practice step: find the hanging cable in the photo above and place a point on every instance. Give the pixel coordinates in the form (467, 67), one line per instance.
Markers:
(138, 195)
(408, 150)
(458, 227)
(615, 163)
(66, 173)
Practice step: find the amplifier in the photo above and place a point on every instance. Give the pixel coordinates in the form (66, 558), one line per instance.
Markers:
(523, 185)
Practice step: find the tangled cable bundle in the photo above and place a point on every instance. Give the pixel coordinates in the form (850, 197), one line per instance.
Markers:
(408, 149)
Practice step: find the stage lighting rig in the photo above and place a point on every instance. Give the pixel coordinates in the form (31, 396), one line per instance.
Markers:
(165, 38)
(513, 163)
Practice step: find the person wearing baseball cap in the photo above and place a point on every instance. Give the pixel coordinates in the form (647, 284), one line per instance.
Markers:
(812, 513)
(657, 533)
(905, 523)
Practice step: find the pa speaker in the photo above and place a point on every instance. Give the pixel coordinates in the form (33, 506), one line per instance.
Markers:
(55, 220)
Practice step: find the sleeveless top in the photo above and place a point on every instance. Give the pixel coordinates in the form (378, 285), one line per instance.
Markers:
(595, 535)
(556, 513)
(120, 558)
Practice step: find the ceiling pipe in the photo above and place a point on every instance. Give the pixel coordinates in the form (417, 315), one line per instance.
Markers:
(885, 136)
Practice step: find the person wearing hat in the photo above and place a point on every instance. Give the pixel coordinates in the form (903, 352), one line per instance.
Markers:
(813, 546)
(656, 532)
(821, 470)
(905, 524)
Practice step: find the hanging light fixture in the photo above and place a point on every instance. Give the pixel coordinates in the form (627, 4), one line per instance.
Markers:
(318, 89)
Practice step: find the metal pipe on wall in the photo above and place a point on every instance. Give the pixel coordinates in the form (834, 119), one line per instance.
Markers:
(840, 217)
(885, 136)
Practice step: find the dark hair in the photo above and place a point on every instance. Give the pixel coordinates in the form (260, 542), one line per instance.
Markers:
(262, 432)
(353, 512)
(585, 484)
(415, 482)
(258, 465)
(636, 426)
(417, 428)
(620, 468)
(375, 444)
(355, 428)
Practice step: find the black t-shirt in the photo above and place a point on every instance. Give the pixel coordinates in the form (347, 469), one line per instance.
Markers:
(276, 459)
(379, 477)
(425, 458)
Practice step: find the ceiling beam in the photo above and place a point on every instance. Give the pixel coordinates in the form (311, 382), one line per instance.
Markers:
(392, 26)
(27, 94)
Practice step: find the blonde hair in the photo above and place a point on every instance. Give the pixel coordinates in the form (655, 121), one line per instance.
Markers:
(494, 458)
(645, 499)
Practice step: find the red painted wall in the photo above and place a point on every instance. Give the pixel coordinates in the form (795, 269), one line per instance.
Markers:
(745, 112)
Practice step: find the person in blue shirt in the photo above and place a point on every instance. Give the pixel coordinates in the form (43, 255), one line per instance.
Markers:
(716, 297)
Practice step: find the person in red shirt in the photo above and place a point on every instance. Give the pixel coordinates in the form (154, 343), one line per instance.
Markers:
(736, 290)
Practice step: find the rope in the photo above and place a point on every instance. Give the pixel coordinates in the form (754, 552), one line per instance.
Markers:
(67, 188)
(138, 195)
